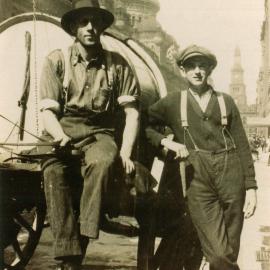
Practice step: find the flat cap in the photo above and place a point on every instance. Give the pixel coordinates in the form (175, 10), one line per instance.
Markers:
(194, 50)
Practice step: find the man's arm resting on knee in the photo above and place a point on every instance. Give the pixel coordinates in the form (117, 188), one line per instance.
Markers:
(53, 127)
(250, 203)
(129, 136)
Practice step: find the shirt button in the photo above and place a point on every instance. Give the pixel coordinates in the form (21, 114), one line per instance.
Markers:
(87, 86)
(205, 118)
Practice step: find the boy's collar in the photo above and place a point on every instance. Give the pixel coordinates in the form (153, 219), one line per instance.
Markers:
(209, 88)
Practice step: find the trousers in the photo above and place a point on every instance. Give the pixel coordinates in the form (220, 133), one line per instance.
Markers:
(61, 190)
(215, 200)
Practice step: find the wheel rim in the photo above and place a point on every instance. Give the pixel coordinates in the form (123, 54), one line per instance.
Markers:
(29, 226)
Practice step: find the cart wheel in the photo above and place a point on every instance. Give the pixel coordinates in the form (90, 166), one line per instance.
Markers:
(24, 238)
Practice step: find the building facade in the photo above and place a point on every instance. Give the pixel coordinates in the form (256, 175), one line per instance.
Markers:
(138, 20)
(263, 82)
(237, 85)
(237, 90)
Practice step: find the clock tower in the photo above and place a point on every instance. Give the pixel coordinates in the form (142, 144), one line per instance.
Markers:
(237, 86)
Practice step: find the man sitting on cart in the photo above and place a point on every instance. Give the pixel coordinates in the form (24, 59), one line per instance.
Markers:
(84, 114)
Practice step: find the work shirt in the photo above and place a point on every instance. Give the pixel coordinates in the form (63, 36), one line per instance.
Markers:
(89, 95)
(205, 127)
(202, 99)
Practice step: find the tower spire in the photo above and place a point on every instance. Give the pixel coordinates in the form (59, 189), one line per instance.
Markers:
(237, 86)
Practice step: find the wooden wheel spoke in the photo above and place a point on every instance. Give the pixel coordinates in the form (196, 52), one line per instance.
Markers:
(17, 249)
(18, 253)
(24, 224)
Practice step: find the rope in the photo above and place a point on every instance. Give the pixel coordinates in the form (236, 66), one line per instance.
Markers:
(39, 138)
(35, 67)
(10, 133)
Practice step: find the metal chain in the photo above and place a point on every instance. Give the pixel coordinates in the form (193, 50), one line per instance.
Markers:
(35, 67)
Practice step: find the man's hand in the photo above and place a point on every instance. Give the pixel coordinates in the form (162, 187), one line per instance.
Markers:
(54, 128)
(128, 164)
(250, 203)
(63, 140)
(179, 149)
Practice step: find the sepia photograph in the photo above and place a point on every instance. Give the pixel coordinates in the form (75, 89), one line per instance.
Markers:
(135, 134)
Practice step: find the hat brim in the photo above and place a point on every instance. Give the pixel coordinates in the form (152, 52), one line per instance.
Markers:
(71, 16)
(210, 59)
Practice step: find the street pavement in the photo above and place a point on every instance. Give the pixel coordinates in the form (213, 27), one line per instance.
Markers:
(256, 231)
(119, 252)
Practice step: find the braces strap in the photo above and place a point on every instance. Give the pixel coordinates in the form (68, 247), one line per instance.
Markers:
(183, 108)
(222, 106)
(66, 68)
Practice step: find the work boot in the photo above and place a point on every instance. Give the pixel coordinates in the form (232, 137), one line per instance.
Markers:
(68, 266)
(69, 263)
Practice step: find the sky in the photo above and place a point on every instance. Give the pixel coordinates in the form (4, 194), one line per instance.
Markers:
(221, 26)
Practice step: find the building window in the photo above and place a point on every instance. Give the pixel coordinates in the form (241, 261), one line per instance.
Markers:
(260, 76)
(132, 22)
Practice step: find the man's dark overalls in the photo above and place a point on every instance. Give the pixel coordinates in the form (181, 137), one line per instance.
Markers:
(100, 152)
(216, 196)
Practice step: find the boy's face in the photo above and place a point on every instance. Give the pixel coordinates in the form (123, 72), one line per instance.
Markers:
(196, 70)
(88, 29)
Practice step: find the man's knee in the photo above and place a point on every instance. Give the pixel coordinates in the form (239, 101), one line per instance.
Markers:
(102, 163)
(53, 173)
(101, 159)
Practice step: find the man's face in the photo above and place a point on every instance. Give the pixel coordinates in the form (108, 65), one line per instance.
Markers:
(196, 70)
(88, 29)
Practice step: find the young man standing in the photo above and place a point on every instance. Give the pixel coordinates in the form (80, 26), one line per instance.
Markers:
(84, 114)
(209, 134)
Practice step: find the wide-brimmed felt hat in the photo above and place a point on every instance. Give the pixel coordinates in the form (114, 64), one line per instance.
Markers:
(90, 7)
(194, 50)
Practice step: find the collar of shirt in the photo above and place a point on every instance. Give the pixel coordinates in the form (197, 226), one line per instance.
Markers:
(203, 99)
(76, 57)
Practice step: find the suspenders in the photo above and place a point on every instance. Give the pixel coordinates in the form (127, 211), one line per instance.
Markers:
(222, 106)
(184, 120)
(109, 68)
(224, 118)
(66, 54)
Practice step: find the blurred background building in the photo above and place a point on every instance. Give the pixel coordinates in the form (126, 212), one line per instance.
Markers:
(237, 89)
(263, 82)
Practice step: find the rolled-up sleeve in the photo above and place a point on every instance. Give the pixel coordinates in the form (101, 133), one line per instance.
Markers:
(128, 90)
(51, 84)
